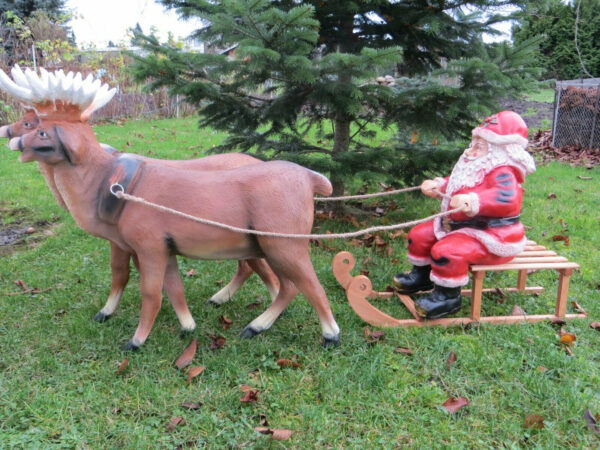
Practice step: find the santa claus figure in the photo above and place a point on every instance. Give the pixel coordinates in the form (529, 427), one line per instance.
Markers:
(486, 181)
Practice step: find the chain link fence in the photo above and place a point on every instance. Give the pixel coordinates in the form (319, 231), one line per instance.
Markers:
(576, 113)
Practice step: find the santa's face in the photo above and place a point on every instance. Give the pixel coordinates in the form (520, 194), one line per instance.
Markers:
(478, 149)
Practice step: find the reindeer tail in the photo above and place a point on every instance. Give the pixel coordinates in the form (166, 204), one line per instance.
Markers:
(321, 185)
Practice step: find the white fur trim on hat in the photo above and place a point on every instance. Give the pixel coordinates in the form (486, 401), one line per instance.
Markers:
(499, 139)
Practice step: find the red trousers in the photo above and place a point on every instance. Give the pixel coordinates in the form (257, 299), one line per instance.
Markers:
(450, 256)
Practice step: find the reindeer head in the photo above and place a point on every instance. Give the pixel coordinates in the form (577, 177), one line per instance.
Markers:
(53, 142)
(61, 104)
(27, 123)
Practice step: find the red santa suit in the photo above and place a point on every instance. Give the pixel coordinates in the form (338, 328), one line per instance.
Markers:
(494, 234)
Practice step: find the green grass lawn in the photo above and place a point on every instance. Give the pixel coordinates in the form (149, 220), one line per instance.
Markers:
(58, 386)
(543, 95)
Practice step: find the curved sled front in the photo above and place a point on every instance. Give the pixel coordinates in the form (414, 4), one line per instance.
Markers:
(359, 288)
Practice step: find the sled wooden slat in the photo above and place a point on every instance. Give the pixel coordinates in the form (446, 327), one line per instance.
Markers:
(533, 258)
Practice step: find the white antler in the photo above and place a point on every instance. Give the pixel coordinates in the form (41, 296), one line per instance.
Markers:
(88, 94)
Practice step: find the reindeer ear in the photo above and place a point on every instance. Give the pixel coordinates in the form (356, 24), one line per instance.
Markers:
(70, 144)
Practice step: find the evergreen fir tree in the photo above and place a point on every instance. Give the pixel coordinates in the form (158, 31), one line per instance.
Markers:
(301, 68)
(555, 21)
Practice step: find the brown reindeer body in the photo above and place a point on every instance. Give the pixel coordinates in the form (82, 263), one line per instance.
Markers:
(273, 196)
(120, 258)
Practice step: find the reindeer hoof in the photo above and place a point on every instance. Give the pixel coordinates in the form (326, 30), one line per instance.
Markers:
(211, 302)
(130, 346)
(249, 332)
(184, 334)
(331, 341)
(101, 317)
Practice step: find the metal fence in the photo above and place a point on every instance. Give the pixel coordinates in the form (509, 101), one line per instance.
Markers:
(576, 113)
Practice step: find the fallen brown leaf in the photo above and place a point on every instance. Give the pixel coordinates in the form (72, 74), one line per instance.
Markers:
(283, 363)
(561, 237)
(551, 195)
(518, 311)
(22, 285)
(578, 307)
(277, 434)
(451, 360)
(595, 325)
(534, 421)
(250, 395)
(253, 305)
(373, 336)
(193, 406)
(567, 339)
(379, 242)
(403, 350)
(193, 373)
(584, 178)
(542, 369)
(454, 404)
(190, 273)
(217, 342)
(225, 321)
(174, 423)
(591, 421)
(188, 355)
(122, 366)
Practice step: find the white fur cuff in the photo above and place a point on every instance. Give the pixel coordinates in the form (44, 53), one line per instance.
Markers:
(474, 202)
(418, 260)
(449, 282)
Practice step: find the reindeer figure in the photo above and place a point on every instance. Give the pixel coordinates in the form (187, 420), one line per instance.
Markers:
(120, 259)
(273, 196)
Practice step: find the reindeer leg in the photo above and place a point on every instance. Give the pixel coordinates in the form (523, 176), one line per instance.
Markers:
(119, 266)
(152, 273)
(263, 322)
(265, 273)
(304, 277)
(224, 295)
(173, 287)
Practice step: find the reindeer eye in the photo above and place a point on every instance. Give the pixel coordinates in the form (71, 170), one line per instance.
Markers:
(27, 125)
(42, 134)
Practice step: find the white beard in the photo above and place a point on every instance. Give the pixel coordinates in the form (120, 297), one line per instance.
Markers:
(469, 172)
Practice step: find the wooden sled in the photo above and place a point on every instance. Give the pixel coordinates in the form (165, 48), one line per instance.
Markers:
(533, 258)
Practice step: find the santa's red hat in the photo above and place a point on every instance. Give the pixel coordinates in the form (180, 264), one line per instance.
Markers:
(506, 127)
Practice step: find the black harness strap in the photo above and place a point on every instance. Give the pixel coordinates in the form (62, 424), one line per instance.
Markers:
(126, 170)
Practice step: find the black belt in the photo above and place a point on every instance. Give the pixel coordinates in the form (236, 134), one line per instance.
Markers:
(479, 223)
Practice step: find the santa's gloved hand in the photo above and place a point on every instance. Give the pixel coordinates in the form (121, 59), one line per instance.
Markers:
(429, 188)
(469, 203)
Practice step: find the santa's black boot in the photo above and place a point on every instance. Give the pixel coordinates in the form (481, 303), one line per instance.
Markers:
(441, 302)
(414, 281)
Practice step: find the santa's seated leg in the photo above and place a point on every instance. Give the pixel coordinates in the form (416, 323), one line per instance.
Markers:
(420, 241)
(450, 260)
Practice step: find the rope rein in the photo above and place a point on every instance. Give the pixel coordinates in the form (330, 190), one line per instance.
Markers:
(117, 190)
(377, 194)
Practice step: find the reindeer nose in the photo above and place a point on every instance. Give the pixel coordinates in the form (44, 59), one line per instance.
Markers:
(15, 144)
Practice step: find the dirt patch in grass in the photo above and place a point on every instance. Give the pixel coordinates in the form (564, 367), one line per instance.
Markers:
(19, 228)
(537, 115)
